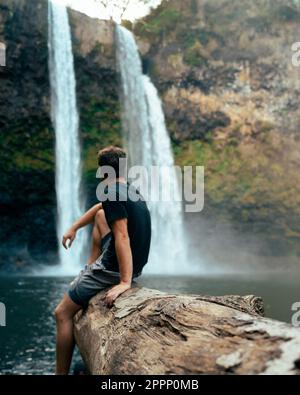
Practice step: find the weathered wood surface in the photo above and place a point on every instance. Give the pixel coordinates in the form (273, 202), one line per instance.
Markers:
(150, 332)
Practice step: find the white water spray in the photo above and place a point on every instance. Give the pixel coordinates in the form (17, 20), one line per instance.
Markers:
(148, 144)
(70, 204)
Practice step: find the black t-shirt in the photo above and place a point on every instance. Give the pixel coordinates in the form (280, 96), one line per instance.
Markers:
(124, 201)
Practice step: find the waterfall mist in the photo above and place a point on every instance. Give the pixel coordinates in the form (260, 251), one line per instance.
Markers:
(70, 204)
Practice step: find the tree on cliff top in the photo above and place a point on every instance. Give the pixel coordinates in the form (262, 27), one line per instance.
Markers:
(117, 9)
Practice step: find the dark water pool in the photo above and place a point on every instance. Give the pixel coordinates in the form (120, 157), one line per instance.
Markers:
(27, 341)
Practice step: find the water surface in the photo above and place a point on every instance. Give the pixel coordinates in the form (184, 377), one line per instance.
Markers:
(27, 342)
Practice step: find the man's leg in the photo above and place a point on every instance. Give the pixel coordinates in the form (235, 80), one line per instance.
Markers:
(100, 229)
(66, 310)
(64, 314)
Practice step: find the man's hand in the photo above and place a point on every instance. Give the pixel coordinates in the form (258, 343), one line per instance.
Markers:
(69, 235)
(112, 294)
(86, 219)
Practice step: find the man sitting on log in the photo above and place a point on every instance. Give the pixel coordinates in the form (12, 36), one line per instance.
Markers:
(120, 247)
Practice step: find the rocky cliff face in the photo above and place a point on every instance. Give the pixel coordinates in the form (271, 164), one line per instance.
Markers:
(231, 98)
(27, 178)
(27, 198)
(240, 48)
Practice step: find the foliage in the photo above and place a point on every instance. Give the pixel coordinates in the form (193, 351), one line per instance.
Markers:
(250, 191)
(32, 150)
(164, 21)
(261, 23)
(287, 13)
(194, 6)
(127, 24)
(169, 21)
(193, 56)
(100, 126)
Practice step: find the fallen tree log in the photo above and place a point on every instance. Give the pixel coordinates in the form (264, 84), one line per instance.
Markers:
(150, 332)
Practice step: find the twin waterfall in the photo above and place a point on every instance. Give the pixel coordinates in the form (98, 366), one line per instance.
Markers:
(148, 144)
(145, 136)
(70, 204)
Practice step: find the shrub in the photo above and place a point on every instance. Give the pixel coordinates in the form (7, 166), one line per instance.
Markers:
(287, 13)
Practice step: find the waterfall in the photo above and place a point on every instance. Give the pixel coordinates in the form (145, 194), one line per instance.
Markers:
(148, 144)
(67, 148)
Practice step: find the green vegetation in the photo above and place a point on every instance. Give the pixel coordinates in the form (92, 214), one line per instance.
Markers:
(167, 20)
(268, 17)
(261, 23)
(266, 126)
(100, 126)
(222, 164)
(162, 20)
(194, 6)
(247, 189)
(127, 24)
(287, 13)
(33, 150)
(193, 56)
(194, 43)
(188, 38)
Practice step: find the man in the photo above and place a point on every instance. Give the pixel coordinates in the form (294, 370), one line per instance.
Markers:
(120, 247)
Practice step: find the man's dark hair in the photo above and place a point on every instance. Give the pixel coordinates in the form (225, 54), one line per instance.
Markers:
(110, 156)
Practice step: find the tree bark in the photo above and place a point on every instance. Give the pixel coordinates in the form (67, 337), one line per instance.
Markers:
(151, 332)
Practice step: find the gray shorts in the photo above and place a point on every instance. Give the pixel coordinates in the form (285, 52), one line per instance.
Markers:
(93, 278)
(89, 282)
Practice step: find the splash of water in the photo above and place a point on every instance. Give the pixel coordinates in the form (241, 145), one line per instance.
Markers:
(148, 144)
(70, 204)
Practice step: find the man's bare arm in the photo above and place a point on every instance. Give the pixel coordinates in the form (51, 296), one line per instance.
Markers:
(86, 219)
(124, 256)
